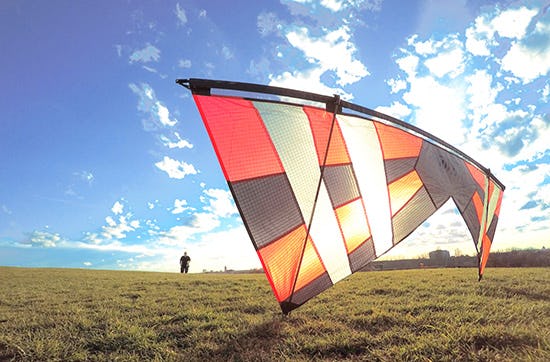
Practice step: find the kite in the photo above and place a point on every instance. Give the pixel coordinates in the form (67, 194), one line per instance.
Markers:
(325, 186)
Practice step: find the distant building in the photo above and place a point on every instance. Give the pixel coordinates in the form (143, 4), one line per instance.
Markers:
(439, 257)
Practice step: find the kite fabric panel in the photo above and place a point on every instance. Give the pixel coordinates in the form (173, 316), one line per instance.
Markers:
(322, 195)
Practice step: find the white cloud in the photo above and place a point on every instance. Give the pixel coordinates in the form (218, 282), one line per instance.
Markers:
(43, 239)
(333, 5)
(482, 96)
(201, 222)
(529, 58)
(180, 206)
(180, 13)
(397, 110)
(92, 238)
(184, 63)
(114, 230)
(320, 52)
(424, 48)
(396, 85)
(513, 23)
(148, 54)
(176, 169)
(438, 108)
(164, 115)
(158, 114)
(179, 143)
(450, 62)
(229, 248)
(409, 65)
(117, 208)
(477, 38)
(213, 250)
(308, 80)
(220, 202)
(87, 263)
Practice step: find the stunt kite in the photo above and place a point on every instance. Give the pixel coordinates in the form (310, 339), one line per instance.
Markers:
(325, 186)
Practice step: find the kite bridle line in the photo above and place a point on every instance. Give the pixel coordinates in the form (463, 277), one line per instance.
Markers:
(337, 102)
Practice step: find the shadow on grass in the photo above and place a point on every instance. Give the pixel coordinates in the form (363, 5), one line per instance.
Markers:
(255, 343)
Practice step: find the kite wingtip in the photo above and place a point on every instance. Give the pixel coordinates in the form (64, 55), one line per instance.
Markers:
(183, 82)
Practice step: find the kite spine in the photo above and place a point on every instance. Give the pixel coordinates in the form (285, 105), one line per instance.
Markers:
(204, 87)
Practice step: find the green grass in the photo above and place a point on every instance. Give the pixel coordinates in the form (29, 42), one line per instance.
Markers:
(417, 315)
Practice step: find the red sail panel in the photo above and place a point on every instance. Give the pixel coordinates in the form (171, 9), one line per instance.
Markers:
(241, 141)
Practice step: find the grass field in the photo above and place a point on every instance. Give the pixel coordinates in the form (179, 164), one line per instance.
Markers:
(421, 315)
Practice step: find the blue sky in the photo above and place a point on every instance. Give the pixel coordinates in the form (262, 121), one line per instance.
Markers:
(105, 162)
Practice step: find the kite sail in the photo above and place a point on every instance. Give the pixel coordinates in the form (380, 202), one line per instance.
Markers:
(325, 186)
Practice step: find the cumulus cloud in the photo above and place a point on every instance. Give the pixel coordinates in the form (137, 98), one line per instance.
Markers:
(396, 85)
(149, 53)
(175, 169)
(219, 202)
(320, 51)
(43, 239)
(118, 229)
(529, 58)
(510, 23)
(447, 63)
(180, 206)
(513, 23)
(438, 108)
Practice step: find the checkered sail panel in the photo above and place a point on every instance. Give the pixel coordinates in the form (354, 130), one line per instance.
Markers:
(322, 195)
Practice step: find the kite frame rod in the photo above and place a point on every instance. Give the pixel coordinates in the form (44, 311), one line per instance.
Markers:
(204, 86)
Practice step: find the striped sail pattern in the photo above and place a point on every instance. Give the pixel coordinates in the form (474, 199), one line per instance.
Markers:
(320, 200)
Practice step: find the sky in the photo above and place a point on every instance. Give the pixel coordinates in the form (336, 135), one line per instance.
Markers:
(105, 162)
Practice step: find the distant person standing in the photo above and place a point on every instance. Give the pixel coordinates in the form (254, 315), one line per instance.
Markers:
(184, 263)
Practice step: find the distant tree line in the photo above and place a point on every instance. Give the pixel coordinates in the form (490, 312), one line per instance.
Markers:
(442, 259)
